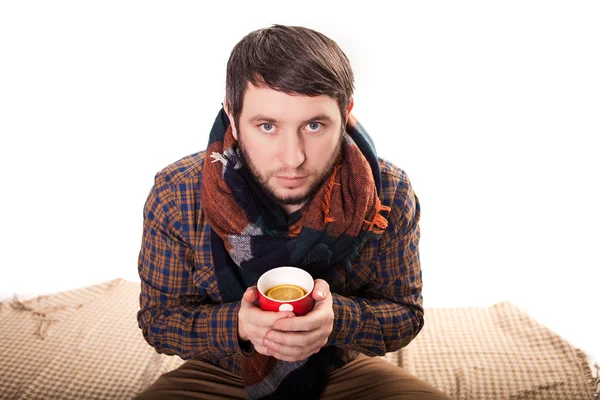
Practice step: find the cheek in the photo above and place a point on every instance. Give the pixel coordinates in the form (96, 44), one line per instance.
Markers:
(261, 153)
(321, 152)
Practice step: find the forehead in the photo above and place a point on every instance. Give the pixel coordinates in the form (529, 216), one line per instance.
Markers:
(259, 100)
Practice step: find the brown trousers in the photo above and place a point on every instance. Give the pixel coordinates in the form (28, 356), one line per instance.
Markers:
(364, 378)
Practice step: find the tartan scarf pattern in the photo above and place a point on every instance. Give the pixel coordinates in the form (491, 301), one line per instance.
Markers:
(330, 229)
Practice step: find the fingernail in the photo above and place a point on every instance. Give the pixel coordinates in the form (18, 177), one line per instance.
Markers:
(319, 293)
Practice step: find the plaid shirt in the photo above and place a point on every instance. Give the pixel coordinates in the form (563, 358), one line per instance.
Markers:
(381, 309)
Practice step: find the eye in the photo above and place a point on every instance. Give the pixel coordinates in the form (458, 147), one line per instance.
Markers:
(267, 127)
(314, 127)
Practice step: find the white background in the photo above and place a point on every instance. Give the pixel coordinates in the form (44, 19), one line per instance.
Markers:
(493, 109)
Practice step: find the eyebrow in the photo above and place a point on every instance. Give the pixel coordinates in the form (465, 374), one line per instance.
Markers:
(264, 118)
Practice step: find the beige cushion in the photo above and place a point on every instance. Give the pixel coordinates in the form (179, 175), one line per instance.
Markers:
(85, 344)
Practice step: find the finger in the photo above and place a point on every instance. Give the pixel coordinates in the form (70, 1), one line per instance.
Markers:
(321, 290)
(305, 323)
(266, 319)
(289, 358)
(274, 348)
(299, 353)
(251, 294)
(259, 348)
(294, 339)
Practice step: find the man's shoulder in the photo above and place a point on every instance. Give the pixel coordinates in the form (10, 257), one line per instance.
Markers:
(184, 169)
(390, 169)
(393, 179)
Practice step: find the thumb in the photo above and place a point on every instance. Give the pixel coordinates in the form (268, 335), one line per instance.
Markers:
(251, 294)
(321, 290)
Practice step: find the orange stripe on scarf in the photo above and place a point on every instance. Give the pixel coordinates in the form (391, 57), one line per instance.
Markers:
(327, 198)
(295, 229)
(379, 222)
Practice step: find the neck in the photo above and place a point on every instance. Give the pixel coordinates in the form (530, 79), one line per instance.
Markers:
(291, 208)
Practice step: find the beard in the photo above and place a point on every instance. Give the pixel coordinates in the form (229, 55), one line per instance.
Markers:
(263, 181)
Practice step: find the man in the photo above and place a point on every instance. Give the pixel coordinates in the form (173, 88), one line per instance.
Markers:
(289, 178)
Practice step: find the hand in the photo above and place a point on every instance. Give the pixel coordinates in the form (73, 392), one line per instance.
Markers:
(294, 339)
(253, 322)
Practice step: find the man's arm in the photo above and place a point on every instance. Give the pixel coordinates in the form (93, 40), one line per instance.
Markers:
(175, 316)
(388, 314)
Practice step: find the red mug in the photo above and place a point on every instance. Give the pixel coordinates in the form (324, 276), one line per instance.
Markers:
(286, 276)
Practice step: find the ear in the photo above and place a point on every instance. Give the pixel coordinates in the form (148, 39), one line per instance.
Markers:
(231, 121)
(349, 110)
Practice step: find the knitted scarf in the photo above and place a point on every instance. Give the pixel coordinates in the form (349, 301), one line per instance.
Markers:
(251, 234)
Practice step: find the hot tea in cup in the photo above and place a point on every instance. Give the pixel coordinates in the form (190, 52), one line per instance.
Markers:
(286, 289)
(286, 292)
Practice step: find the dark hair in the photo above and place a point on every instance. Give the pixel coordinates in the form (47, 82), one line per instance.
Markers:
(290, 59)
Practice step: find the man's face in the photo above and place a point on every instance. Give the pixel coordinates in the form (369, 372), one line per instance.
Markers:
(289, 142)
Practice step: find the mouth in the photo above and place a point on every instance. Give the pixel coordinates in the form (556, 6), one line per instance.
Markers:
(290, 181)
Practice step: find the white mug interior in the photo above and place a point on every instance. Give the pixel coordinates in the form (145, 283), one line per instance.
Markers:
(285, 275)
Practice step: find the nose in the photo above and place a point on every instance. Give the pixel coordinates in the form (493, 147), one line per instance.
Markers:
(291, 152)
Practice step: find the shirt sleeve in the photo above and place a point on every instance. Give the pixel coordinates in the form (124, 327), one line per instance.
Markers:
(176, 315)
(387, 313)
